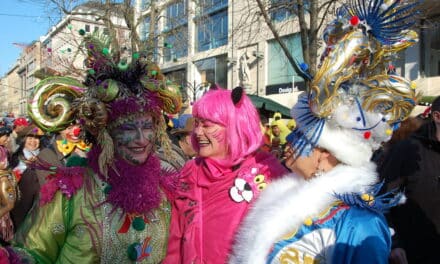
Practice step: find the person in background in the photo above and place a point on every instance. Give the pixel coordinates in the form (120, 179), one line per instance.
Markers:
(179, 157)
(406, 128)
(217, 188)
(19, 124)
(66, 143)
(265, 129)
(28, 149)
(279, 131)
(21, 162)
(291, 124)
(8, 194)
(183, 134)
(275, 129)
(8, 119)
(5, 133)
(413, 165)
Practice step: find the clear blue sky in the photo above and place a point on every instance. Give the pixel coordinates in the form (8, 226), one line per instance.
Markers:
(22, 22)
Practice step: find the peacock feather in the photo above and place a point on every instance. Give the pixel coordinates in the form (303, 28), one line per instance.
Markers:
(384, 20)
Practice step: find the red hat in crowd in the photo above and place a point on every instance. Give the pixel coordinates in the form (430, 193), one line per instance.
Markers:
(21, 121)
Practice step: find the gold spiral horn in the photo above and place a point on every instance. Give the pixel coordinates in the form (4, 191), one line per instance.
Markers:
(344, 62)
(50, 105)
(391, 95)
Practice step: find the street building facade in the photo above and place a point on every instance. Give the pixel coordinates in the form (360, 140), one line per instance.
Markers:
(206, 42)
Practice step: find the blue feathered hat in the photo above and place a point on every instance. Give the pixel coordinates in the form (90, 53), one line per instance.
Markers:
(353, 104)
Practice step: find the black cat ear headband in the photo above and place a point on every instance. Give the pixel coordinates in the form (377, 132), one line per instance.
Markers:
(236, 95)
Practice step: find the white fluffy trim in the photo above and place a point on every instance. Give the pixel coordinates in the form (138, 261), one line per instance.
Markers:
(285, 204)
(345, 145)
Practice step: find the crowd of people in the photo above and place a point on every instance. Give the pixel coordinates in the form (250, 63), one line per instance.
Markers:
(112, 177)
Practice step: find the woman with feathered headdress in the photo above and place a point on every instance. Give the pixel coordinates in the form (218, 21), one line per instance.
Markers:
(112, 207)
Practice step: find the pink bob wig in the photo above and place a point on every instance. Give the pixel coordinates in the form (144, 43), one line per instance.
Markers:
(242, 123)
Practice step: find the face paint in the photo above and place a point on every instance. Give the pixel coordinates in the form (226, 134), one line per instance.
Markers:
(71, 134)
(211, 139)
(134, 139)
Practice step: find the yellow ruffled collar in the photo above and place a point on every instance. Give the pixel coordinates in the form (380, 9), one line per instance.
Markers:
(66, 147)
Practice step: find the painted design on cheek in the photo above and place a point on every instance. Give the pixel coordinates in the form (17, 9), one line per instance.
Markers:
(130, 137)
(123, 139)
(218, 135)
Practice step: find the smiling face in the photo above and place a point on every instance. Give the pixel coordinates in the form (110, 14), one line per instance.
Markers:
(31, 143)
(71, 133)
(210, 138)
(134, 139)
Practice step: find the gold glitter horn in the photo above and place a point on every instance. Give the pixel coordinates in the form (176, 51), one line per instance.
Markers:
(50, 105)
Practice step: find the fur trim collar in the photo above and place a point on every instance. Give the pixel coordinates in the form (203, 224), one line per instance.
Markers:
(285, 204)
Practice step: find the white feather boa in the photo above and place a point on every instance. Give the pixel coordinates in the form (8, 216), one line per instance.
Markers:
(285, 204)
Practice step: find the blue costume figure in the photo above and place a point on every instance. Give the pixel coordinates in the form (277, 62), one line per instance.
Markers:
(328, 210)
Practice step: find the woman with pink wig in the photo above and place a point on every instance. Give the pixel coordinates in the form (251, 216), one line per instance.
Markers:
(217, 188)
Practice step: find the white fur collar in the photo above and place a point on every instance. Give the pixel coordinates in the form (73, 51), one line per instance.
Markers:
(286, 203)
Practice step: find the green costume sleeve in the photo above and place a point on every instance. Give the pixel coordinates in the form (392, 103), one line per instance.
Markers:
(43, 233)
(62, 231)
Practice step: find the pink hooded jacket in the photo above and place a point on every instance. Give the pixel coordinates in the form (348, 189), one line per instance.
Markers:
(210, 203)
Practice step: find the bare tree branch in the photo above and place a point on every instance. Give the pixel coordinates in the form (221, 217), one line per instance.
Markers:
(277, 36)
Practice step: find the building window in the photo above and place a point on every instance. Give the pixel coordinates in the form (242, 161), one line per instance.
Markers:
(145, 30)
(178, 77)
(212, 31)
(209, 6)
(87, 28)
(176, 31)
(145, 4)
(176, 44)
(31, 66)
(151, 48)
(213, 70)
(30, 80)
(95, 29)
(176, 14)
(281, 10)
(106, 31)
(280, 71)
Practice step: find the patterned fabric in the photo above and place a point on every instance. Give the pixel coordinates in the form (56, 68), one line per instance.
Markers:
(329, 238)
(333, 218)
(6, 227)
(83, 229)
